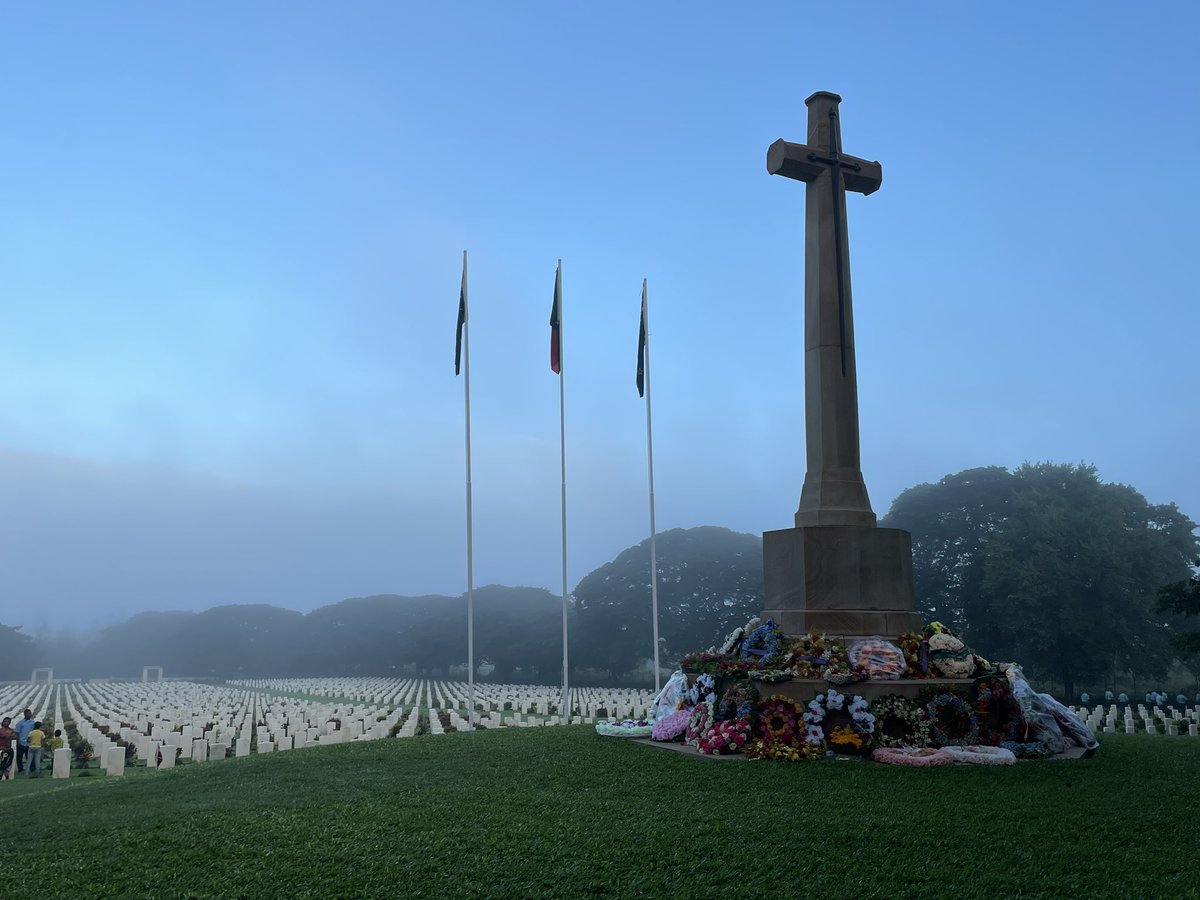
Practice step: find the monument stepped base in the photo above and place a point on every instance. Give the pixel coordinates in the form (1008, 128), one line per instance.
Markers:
(846, 581)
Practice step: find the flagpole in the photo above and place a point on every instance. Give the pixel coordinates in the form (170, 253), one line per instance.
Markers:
(650, 470)
(470, 510)
(564, 708)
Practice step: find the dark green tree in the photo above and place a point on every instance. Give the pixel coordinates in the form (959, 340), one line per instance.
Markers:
(951, 523)
(710, 581)
(1049, 566)
(17, 653)
(1182, 598)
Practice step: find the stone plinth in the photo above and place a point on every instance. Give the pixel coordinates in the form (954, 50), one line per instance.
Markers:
(845, 581)
(801, 690)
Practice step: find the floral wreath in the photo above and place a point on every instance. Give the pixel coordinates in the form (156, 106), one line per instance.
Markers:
(739, 702)
(770, 676)
(815, 654)
(699, 721)
(734, 640)
(627, 728)
(778, 721)
(671, 726)
(916, 654)
(877, 659)
(896, 713)
(921, 757)
(763, 645)
(845, 727)
(951, 721)
(999, 716)
(981, 756)
(1027, 749)
(703, 689)
(783, 752)
(725, 737)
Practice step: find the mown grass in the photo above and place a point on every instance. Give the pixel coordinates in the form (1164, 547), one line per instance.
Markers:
(560, 812)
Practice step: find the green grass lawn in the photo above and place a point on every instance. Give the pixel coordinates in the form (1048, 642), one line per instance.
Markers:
(561, 812)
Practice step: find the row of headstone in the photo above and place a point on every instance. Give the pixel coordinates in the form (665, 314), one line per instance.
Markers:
(1156, 720)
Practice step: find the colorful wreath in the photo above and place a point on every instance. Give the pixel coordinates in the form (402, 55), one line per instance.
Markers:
(628, 728)
(701, 661)
(703, 689)
(770, 676)
(916, 654)
(981, 756)
(783, 752)
(725, 737)
(998, 714)
(699, 721)
(815, 654)
(671, 726)
(911, 756)
(951, 721)
(900, 722)
(738, 702)
(877, 658)
(763, 645)
(1027, 749)
(844, 726)
(778, 721)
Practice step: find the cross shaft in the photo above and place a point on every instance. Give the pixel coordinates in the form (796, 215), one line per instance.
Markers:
(834, 492)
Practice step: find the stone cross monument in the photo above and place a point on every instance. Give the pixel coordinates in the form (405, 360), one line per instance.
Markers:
(835, 572)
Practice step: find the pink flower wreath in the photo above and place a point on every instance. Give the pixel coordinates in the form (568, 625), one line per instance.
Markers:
(725, 737)
(671, 726)
(911, 756)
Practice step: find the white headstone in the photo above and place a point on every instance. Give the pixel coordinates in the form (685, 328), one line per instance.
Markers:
(199, 750)
(114, 759)
(62, 763)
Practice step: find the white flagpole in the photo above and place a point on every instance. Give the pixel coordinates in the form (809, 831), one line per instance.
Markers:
(650, 469)
(564, 708)
(470, 511)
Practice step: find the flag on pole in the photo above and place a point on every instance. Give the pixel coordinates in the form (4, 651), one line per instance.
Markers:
(462, 319)
(641, 365)
(555, 331)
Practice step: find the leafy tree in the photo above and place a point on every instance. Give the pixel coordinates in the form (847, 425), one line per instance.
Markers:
(17, 653)
(1047, 565)
(951, 523)
(710, 581)
(1183, 599)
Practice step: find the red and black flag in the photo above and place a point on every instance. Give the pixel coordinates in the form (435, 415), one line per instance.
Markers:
(462, 317)
(555, 328)
(641, 365)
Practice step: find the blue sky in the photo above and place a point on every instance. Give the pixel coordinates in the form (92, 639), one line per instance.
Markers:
(230, 239)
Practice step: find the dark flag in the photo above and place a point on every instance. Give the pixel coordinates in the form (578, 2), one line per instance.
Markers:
(555, 331)
(641, 366)
(462, 318)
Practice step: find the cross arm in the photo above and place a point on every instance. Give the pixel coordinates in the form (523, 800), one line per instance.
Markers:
(804, 163)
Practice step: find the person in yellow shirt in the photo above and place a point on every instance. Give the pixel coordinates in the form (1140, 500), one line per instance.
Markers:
(36, 738)
(54, 743)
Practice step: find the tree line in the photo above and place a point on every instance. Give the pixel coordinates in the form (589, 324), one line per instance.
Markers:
(1077, 579)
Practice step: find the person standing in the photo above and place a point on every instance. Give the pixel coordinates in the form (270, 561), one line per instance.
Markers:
(7, 736)
(36, 738)
(22, 729)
